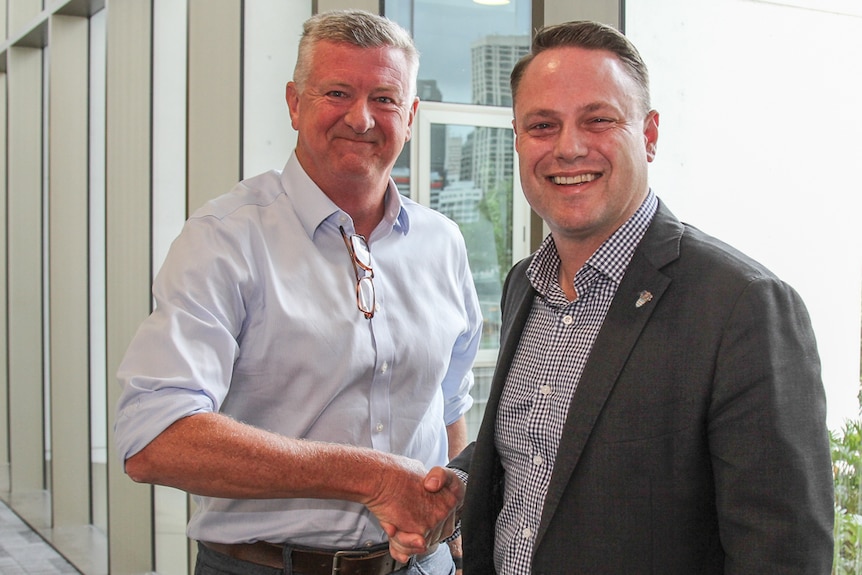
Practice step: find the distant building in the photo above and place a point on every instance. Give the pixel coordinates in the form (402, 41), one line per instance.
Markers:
(428, 91)
(460, 201)
(493, 58)
(454, 146)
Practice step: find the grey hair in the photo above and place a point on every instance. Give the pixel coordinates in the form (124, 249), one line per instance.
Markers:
(358, 28)
(591, 36)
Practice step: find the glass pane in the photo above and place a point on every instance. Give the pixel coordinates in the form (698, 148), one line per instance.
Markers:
(482, 375)
(471, 182)
(467, 48)
(467, 52)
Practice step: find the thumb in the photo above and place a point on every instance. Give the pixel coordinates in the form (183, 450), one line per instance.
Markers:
(388, 528)
(435, 480)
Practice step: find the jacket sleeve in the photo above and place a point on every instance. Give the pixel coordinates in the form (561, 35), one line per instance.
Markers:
(768, 439)
(461, 462)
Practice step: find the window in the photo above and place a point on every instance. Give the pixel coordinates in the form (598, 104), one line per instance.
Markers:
(461, 160)
(459, 40)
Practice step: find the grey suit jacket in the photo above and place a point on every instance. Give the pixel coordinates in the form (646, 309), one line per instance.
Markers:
(696, 440)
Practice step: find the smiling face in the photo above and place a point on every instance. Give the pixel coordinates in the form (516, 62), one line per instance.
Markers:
(584, 142)
(353, 114)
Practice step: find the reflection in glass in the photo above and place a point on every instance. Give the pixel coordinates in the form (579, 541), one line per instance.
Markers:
(467, 53)
(481, 388)
(473, 187)
(464, 46)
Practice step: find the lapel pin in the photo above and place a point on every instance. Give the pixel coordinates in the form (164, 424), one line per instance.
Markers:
(643, 298)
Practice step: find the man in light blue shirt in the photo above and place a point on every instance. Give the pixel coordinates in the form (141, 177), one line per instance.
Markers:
(309, 356)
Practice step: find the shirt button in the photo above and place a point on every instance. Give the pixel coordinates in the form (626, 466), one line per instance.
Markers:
(379, 427)
(384, 367)
(537, 460)
(568, 320)
(545, 389)
(526, 533)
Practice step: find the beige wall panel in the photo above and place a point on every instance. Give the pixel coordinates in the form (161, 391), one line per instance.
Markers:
(68, 271)
(369, 5)
(4, 381)
(25, 269)
(128, 181)
(4, 10)
(607, 11)
(214, 109)
(21, 13)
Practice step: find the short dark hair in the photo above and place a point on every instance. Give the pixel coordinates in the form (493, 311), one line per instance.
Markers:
(591, 36)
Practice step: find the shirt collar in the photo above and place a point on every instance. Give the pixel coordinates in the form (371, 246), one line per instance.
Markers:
(610, 259)
(313, 207)
(395, 216)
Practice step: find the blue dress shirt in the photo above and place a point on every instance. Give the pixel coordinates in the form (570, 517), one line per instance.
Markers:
(256, 317)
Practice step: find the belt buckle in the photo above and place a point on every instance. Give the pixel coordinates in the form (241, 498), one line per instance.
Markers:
(348, 554)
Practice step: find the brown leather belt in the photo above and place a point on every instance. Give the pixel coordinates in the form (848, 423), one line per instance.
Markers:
(375, 561)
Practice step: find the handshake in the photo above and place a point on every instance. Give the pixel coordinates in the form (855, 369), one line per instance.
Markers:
(416, 509)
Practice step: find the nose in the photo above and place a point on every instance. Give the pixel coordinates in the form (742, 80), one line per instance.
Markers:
(359, 117)
(571, 144)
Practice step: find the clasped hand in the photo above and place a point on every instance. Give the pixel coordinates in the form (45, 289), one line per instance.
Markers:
(418, 510)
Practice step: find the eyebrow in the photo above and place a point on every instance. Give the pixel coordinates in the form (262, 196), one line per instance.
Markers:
(340, 85)
(591, 107)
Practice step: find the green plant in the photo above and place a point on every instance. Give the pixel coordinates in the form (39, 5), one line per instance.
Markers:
(847, 470)
(846, 445)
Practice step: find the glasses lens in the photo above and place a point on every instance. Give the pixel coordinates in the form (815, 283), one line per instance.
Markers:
(365, 294)
(361, 252)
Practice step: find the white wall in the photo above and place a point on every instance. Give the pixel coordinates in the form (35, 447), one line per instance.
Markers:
(760, 145)
(272, 31)
(170, 43)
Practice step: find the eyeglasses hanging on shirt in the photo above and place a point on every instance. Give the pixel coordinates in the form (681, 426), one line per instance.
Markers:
(360, 257)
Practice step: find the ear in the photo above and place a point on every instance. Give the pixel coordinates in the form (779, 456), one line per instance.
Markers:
(515, 129)
(291, 96)
(651, 134)
(411, 115)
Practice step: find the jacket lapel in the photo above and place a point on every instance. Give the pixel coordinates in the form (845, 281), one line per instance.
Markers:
(486, 473)
(518, 296)
(637, 296)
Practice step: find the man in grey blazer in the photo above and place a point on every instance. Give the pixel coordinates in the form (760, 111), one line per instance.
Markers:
(657, 405)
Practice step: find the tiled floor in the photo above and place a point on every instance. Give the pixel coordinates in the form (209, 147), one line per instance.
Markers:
(24, 552)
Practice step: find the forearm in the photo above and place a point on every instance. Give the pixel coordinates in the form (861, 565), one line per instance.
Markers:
(212, 455)
(457, 433)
